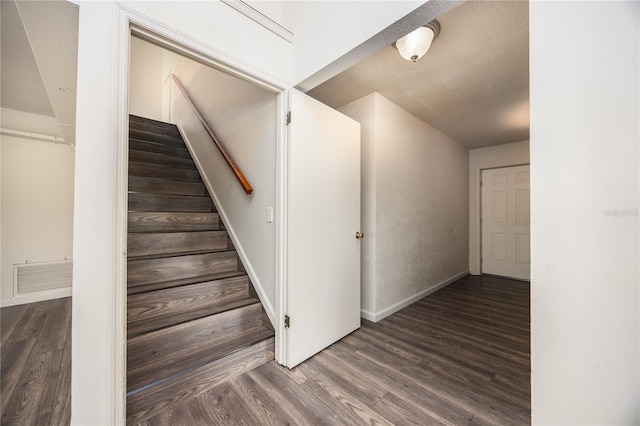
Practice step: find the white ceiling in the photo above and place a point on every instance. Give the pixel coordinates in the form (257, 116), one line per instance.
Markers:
(473, 85)
(39, 61)
(21, 87)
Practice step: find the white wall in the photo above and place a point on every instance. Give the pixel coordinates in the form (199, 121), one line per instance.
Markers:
(584, 212)
(97, 353)
(243, 116)
(146, 78)
(419, 231)
(274, 10)
(510, 154)
(36, 201)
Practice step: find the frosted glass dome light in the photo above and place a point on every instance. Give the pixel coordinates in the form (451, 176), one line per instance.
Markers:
(414, 45)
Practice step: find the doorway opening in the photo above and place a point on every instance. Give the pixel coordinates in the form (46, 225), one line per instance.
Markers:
(505, 222)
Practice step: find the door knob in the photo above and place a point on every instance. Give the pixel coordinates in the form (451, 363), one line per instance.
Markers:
(359, 235)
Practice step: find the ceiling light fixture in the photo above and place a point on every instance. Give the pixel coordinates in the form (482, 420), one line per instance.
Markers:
(414, 45)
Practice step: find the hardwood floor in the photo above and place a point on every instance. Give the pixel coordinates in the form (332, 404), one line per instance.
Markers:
(36, 363)
(457, 357)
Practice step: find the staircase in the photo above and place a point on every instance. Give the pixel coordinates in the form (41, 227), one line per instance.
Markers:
(193, 318)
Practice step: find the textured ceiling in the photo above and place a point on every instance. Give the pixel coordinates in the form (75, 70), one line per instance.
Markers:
(473, 85)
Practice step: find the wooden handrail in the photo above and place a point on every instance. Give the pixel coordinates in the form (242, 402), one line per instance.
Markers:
(234, 167)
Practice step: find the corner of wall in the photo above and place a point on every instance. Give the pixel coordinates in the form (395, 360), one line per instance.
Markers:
(363, 111)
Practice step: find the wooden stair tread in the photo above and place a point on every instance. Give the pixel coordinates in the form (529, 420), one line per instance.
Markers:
(161, 159)
(141, 288)
(147, 403)
(141, 202)
(210, 296)
(159, 148)
(154, 170)
(158, 137)
(148, 271)
(179, 253)
(138, 120)
(172, 221)
(165, 186)
(168, 367)
(138, 327)
(159, 354)
(163, 244)
(144, 306)
(147, 124)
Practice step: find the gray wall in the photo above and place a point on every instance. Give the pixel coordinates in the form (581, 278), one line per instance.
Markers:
(415, 183)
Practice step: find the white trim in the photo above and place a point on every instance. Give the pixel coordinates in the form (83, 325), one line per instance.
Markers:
(34, 136)
(475, 262)
(158, 33)
(39, 296)
(479, 202)
(368, 315)
(260, 19)
(377, 316)
(120, 210)
(131, 22)
(282, 255)
(268, 307)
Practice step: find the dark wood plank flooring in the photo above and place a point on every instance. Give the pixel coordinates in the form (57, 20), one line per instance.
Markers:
(457, 357)
(36, 363)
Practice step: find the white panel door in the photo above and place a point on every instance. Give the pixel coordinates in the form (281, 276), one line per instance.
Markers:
(505, 222)
(322, 220)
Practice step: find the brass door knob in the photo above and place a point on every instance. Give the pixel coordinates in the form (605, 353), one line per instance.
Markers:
(359, 235)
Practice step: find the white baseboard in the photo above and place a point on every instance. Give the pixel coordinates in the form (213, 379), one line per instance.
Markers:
(38, 296)
(377, 316)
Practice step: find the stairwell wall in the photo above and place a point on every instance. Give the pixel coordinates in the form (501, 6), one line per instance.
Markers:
(415, 183)
(243, 116)
(146, 76)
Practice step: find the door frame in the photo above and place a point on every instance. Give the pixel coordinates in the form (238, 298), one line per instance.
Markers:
(475, 212)
(480, 202)
(131, 22)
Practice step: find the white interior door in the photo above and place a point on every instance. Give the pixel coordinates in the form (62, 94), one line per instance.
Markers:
(505, 222)
(323, 216)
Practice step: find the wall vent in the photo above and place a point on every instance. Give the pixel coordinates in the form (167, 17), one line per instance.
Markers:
(38, 277)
